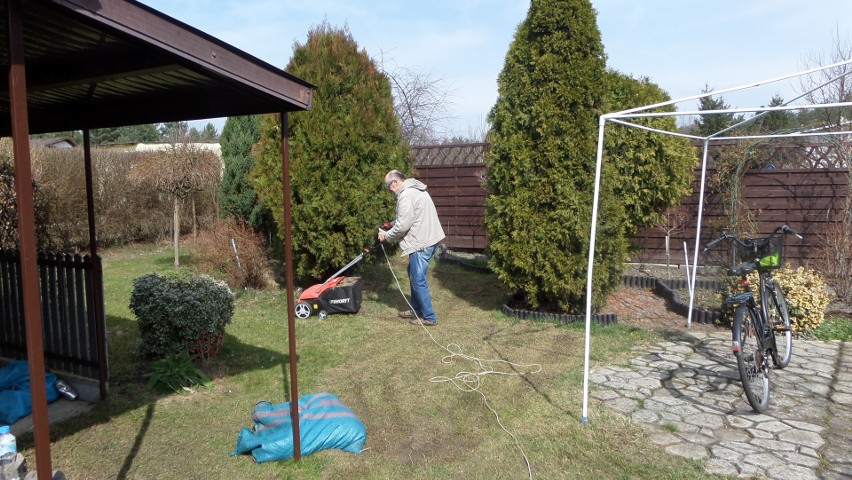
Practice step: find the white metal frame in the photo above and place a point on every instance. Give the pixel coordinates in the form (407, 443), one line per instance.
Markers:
(623, 118)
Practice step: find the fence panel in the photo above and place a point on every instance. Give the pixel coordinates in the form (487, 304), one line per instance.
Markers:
(460, 200)
(69, 325)
(809, 200)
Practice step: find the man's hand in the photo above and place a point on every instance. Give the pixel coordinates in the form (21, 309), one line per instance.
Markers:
(382, 235)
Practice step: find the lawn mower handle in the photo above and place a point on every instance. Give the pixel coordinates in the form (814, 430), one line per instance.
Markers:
(385, 226)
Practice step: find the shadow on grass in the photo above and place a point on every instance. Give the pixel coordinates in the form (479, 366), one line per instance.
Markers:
(128, 382)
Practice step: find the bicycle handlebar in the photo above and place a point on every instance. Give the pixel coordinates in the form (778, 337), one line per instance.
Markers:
(748, 243)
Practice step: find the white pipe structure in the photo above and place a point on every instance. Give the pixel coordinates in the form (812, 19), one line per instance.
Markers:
(620, 118)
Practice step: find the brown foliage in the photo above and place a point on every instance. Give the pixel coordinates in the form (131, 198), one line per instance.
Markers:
(836, 260)
(245, 268)
(125, 210)
(179, 170)
(9, 205)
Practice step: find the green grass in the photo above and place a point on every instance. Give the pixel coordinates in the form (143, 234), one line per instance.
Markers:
(834, 328)
(382, 368)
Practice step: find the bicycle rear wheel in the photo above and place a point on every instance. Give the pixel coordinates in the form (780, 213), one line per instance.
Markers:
(779, 322)
(753, 373)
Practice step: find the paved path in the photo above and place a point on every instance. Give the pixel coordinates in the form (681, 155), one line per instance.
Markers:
(687, 393)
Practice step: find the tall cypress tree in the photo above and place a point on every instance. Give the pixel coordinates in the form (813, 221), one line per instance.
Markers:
(339, 153)
(540, 171)
(238, 199)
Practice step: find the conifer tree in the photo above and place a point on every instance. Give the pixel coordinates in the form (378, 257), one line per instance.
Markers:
(237, 197)
(652, 171)
(540, 171)
(340, 151)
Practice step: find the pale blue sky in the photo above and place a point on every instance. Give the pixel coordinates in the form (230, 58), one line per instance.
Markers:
(680, 44)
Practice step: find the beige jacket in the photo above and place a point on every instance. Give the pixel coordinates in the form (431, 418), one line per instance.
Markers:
(416, 226)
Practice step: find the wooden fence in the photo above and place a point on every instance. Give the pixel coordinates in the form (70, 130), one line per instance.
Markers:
(66, 289)
(809, 200)
(460, 200)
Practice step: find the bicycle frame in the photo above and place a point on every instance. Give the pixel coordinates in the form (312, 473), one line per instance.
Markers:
(766, 337)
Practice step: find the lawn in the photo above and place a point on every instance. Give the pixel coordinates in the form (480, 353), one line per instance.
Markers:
(385, 371)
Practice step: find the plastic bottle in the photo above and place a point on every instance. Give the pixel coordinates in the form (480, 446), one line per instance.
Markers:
(8, 446)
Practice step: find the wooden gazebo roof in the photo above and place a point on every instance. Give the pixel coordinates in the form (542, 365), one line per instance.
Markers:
(86, 64)
(105, 63)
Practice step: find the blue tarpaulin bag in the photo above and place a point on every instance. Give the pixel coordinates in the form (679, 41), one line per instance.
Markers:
(15, 399)
(324, 422)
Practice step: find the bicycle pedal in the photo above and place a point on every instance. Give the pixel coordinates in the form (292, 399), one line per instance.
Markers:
(780, 328)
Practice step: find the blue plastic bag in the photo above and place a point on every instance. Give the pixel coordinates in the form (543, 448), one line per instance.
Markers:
(324, 422)
(15, 398)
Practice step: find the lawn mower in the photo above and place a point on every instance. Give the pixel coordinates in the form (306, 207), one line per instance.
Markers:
(338, 294)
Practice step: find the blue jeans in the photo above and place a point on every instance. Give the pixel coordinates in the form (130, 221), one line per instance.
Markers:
(421, 299)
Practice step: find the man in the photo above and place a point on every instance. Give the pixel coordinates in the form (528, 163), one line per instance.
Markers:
(418, 231)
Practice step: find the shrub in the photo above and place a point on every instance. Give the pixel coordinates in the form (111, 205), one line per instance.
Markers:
(215, 256)
(179, 311)
(804, 290)
(806, 296)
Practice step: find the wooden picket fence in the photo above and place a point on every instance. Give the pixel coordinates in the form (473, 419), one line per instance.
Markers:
(66, 288)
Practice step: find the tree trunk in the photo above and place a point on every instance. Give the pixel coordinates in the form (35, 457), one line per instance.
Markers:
(176, 230)
(194, 220)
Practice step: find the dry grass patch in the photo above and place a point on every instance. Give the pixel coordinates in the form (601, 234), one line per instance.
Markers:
(382, 368)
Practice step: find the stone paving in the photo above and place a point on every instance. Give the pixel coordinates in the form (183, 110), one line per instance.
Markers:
(687, 393)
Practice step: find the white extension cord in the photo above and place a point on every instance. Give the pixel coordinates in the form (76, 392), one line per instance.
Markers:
(471, 381)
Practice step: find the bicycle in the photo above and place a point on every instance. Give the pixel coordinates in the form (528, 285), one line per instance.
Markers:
(761, 336)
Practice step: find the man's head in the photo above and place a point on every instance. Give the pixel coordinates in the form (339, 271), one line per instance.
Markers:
(393, 180)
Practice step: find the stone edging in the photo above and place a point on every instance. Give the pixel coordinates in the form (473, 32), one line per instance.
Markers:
(607, 319)
(666, 289)
(445, 257)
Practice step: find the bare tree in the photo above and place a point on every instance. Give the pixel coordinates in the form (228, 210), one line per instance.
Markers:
(674, 220)
(421, 102)
(179, 170)
(830, 85)
(834, 85)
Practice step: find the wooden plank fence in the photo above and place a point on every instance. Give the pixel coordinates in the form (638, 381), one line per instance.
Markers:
(460, 200)
(66, 290)
(809, 200)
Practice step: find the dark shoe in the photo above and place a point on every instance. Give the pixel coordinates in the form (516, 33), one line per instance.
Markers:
(420, 321)
(407, 314)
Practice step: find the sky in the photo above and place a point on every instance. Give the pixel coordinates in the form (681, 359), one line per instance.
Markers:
(681, 45)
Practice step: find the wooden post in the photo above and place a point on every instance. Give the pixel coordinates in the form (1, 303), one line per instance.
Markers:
(288, 274)
(27, 239)
(97, 269)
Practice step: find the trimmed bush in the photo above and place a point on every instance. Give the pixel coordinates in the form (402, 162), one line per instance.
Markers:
(179, 311)
(541, 167)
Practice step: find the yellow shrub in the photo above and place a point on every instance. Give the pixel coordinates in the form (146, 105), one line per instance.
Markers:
(804, 290)
(806, 295)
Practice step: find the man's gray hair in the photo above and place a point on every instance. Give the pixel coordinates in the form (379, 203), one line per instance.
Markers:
(396, 175)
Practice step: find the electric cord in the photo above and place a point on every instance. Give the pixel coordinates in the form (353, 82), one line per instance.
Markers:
(470, 381)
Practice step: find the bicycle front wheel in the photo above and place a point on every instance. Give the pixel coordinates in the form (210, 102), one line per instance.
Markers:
(779, 322)
(749, 353)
